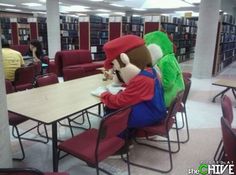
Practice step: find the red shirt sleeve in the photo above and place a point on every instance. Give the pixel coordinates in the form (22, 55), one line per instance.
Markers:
(139, 89)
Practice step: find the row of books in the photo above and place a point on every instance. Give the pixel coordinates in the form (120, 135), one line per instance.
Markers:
(68, 40)
(100, 41)
(171, 28)
(227, 37)
(68, 19)
(69, 26)
(182, 58)
(228, 19)
(69, 47)
(227, 47)
(227, 28)
(176, 20)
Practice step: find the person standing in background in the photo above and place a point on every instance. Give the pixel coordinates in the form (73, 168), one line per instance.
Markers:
(12, 60)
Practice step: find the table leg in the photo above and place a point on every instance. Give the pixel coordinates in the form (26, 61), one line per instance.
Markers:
(221, 93)
(54, 147)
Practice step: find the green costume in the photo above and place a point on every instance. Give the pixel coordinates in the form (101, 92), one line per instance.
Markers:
(172, 78)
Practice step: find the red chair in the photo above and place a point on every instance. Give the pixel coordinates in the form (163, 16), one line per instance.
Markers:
(25, 171)
(182, 107)
(24, 78)
(229, 141)
(9, 87)
(46, 79)
(95, 145)
(15, 120)
(161, 129)
(227, 110)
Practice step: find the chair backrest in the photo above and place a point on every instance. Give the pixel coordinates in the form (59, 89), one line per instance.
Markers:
(229, 140)
(24, 75)
(46, 79)
(75, 57)
(174, 108)
(114, 123)
(227, 109)
(187, 83)
(9, 87)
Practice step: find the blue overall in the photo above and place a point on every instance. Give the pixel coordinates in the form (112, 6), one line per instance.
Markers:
(152, 111)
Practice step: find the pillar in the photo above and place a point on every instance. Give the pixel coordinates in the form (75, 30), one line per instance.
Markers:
(206, 38)
(5, 147)
(53, 27)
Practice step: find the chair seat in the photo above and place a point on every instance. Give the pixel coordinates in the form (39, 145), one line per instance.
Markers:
(15, 119)
(23, 87)
(158, 129)
(83, 146)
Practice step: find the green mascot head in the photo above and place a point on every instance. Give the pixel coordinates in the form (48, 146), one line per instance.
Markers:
(159, 45)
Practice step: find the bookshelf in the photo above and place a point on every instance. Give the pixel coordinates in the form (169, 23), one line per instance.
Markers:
(5, 25)
(119, 26)
(225, 52)
(93, 31)
(98, 36)
(182, 30)
(69, 33)
(42, 32)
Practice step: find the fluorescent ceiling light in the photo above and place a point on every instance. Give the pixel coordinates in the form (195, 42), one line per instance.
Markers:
(106, 15)
(32, 4)
(7, 5)
(96, 0)
(40, 12)
(167, 4)
(13, 10)
(195, 14)
(165, 14)
(193, 1)
(139, 9)
(225, 13)
(103, 10)
(81, 14)
(117, 5)
(74, 8)
(180, 11)
(119, 13)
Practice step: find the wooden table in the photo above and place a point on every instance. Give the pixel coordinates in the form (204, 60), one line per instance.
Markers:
(50, 104)
(228, 84)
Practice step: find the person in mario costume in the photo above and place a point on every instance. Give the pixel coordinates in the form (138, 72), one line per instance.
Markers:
(131, 61)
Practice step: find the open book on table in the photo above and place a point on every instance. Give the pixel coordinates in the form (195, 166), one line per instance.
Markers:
(112, 88)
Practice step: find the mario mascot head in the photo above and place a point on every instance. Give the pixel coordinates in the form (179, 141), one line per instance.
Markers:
(127, 55)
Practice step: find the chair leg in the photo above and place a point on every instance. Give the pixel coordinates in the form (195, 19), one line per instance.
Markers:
(218, 151)
(21, 145)
(71, 129)
(187, 128)
(148, 167)
(46, 133)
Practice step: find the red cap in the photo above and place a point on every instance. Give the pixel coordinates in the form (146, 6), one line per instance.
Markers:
(123, 44)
